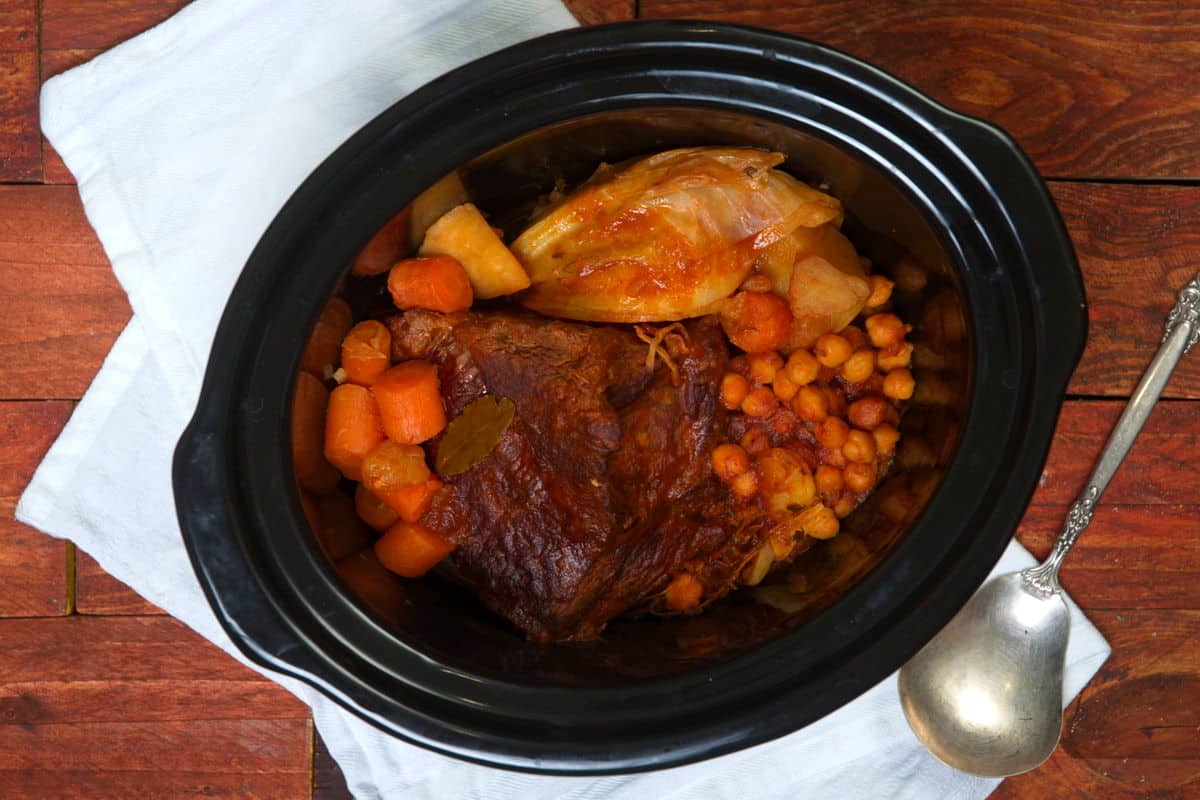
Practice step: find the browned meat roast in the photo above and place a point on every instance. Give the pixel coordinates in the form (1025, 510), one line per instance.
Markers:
(600, 491)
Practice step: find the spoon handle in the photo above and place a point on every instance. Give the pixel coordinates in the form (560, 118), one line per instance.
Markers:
(1182, 331)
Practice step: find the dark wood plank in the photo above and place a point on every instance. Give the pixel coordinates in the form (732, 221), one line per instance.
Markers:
(33, 566)
(328, 781)
(1088, 93)
(141, 707)
(100, 24)
(1138, 246)
(20, 143)
(594, 12)
(97, 592)
(1158, 471)
(1135, 730)
(62, 307)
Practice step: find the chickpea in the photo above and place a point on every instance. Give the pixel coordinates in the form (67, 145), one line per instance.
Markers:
(881, 291)
(859, 477)
(729, 461)
(819, 522)
(859, 447)
(802, 367)
(755, 441)
(763, 367)
(740, 365)
(832, 350)
(785, 388)
(831, 432)
(833, 457)
(757, 282)
(899, 384)
(734, 389)
(684, 592)
(886, 330)
(745, 485)
(829, 480)
(896, 357)
(933, 390)
(859, 367)
(868, 412)
(760, 402)
(855, 336)
(811, 404)
(885, 437)
(783, 425)
(844, 506)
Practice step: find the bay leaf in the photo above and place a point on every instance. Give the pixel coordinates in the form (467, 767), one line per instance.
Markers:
(472, 435)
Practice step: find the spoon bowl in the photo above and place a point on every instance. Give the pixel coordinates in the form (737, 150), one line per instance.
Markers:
(985, 696)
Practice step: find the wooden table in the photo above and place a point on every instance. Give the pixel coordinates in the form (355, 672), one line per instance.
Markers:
(103, 696)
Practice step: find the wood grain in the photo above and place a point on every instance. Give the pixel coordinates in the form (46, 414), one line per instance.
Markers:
(62, 307)
(100, 24)
(97, 592)
(141, 707)
(1086, 93)
(20, 143)
(1159, 470)
(594, 12)
(1138, 246)
(33, 567)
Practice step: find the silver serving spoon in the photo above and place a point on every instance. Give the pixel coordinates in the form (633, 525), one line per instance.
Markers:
(985, 695)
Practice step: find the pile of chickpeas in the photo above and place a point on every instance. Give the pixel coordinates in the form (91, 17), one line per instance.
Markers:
(817, 427)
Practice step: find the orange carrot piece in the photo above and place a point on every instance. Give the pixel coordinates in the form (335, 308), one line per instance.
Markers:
(410, 549)
(386, 247)
(411, 502)
(313, 471)
(372, 510)
(352, 428)
(366, 352)
(437, 283)
(410, 402)
(392, 466)
(325, 341)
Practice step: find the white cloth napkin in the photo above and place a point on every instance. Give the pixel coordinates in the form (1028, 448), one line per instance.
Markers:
(185, 141)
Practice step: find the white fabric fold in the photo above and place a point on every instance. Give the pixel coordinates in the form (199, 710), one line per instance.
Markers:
(185, 141)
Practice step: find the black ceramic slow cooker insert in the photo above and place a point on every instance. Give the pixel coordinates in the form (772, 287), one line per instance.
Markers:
(946, 204)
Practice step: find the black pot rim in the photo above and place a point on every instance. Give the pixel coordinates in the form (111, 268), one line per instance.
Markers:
(285, 609)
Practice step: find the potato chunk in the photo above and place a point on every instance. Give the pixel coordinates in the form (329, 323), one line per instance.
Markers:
(435, 201)
(463, 234)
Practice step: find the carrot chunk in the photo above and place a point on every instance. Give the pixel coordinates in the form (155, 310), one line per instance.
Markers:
(366, 352)
(392, 466)
(410, 549)
(437, 283)
(385, 248)
(313, 471)
(410, 502)
(325, 341)
(372, 510)
(410, 402)
(352, 428)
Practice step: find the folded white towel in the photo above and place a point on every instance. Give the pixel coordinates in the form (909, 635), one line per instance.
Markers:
(185, 142)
